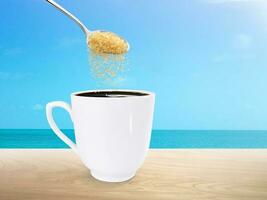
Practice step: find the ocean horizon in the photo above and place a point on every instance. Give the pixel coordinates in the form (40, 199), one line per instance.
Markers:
(161, 139)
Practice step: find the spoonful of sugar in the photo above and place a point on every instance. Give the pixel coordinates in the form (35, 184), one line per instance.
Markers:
(101, 42)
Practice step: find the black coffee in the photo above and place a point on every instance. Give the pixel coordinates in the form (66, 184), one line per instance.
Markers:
(111, 94)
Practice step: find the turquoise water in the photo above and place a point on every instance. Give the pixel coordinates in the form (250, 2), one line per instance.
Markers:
(45, 138)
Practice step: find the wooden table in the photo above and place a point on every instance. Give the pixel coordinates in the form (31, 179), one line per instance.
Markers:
(201, 174)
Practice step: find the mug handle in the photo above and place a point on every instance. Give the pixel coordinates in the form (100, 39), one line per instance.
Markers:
(53, 125)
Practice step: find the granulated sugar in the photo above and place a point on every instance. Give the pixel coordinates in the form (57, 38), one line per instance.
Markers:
(107, 56)
(107, 42)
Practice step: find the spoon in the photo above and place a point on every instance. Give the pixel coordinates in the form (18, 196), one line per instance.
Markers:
(86, 31)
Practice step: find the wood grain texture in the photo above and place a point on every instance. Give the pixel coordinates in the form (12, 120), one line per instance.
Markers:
(166, 174)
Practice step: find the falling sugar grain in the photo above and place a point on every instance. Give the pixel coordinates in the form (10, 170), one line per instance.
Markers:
(107, 68)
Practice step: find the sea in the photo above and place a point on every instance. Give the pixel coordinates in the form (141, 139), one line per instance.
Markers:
(161, 139)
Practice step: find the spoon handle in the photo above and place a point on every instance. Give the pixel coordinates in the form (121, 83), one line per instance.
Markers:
(71, 16)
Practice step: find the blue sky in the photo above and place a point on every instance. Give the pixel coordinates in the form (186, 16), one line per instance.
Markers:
(205, 59)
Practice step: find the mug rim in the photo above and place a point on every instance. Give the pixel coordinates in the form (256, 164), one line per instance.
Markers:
(148, 93)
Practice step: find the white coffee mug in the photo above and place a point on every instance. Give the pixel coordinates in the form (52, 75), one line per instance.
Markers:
(112, 131)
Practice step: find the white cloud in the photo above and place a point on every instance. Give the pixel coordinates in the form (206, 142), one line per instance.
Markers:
(22, 107)
(242, 41)
(69, 42)
(4, 76)
(221, 58)
(38, 107)
(232, 1)
(14, 76)
(12, 51)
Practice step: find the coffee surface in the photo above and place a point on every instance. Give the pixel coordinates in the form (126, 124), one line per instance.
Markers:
(111, 94)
